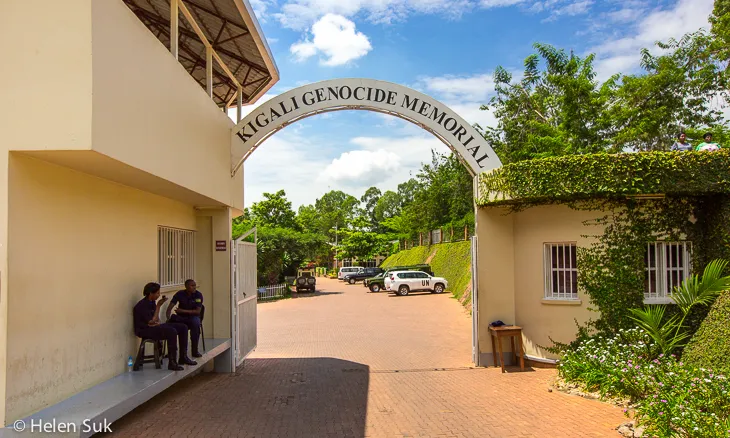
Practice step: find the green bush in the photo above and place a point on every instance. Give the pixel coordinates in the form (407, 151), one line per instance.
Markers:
(574, 177)
(710, 346)
(671, 398)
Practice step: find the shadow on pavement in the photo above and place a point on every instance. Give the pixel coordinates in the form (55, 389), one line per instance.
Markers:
(313, 295)
(317, 397)
(416, 294)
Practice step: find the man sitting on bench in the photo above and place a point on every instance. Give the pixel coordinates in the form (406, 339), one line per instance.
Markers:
(147, 326)
(190, 303)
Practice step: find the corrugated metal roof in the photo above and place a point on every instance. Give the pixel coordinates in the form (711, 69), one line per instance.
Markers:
(224, 26)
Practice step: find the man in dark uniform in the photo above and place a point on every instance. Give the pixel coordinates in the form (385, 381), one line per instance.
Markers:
(190, 303)
(147, 325)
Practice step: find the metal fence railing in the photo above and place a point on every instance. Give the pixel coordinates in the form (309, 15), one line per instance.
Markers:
(440, 235)
(271, 292)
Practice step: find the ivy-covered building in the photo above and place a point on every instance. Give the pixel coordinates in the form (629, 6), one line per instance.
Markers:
(578, 240)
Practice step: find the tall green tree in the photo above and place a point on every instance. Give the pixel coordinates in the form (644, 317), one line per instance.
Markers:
(678, 89)
(308, 219)
(336, 209)
(357, 241)
(388, 206)
(407, 191)
(440, 194)
(719, 49)
(552, 110)
(370, 200)
(274, 211)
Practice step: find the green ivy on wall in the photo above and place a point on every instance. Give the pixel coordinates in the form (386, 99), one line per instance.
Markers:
(576, 177)
(611, 269)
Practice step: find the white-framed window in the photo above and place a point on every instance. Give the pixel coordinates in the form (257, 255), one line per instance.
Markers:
(176, 253)
(561, 272)
(666, 265)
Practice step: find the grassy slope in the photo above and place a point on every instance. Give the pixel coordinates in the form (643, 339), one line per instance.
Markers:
(449, 260)
(710, 346)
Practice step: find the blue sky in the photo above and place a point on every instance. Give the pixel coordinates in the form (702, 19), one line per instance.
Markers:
(445, 48)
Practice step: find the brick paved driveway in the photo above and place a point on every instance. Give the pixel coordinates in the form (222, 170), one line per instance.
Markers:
(346, 363)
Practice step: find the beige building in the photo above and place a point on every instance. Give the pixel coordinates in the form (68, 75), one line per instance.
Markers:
(116, 171)
(527, 257)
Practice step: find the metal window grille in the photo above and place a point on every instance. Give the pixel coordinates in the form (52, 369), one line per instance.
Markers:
(176, 252)
(667, 264)
(346, 263)
(561, 272)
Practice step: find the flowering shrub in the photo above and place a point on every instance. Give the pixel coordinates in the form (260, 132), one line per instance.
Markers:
(671, 398)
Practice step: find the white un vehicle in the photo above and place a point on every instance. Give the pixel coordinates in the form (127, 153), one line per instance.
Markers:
(405, 282)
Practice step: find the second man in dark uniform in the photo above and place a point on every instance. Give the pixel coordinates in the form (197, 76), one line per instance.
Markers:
(190, 303)
(147, 325)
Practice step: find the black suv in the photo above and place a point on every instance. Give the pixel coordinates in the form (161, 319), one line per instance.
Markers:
(362, 275)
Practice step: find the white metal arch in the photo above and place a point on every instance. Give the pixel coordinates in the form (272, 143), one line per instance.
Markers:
(369, 95)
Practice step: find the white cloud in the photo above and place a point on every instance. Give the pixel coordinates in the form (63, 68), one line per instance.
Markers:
(383, 162)
(464, 94)
(570, 9)
(360, 168)
(334, 37)
(260, 8)
(412, 150)
(286, 162)
(300, 14)
(622, 54)
(625, 15)
(453, 87)
(499, 3)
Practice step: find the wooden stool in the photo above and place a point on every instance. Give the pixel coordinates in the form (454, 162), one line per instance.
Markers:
(513, 332)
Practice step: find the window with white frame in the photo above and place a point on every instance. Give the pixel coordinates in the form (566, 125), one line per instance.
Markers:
(666, 265)
(176, 252)
(561, 272)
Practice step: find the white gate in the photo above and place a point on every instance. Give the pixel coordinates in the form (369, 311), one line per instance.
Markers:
(244, 297)
(474, 303)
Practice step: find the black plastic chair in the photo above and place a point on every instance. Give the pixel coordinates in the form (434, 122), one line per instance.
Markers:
(156, 357)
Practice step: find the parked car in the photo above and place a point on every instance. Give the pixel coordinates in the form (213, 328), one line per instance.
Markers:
(377, 283)
(362, 275)
(306, 281)
(348, 270)
(404, 282)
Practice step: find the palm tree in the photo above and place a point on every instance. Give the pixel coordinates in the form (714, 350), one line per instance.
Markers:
(670, 334)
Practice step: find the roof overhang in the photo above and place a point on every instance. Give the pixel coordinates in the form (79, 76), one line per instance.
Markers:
(230, 27)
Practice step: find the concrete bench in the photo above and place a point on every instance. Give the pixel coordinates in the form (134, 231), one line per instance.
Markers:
(114, 398)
